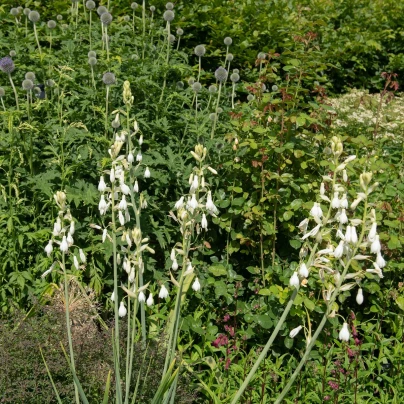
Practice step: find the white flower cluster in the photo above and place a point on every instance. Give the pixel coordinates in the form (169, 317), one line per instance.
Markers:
(62, 234)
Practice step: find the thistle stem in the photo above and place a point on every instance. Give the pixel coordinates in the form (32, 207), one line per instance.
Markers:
(15, 92)
(106, 112)
(37, 40)
(216, 109)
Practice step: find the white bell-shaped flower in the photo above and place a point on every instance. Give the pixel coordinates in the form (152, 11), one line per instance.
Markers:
(82, 256)
(344, 333)
(136, 187)
(372, 232)
(122, 310)
(139, 157)
(204, 222)
(380, 261)
(112, 296)
(335, 202)
(196, 286)
(295, 331)
(112, 175)
(339, 251)
(375, 247)
(174, 265)
(343, 218)
(163, 294)
(147, 173)
(294, 280)
(57, 227)
(123, 205)
(130, 159)
(359, 296)
(179, 204)
(49, 248)
(69, 239)
(102, 186)
(76, 262)
(125, 189)
(64, 247)
(102, 206)
(141, 297)
(303, 271)
(150, 300)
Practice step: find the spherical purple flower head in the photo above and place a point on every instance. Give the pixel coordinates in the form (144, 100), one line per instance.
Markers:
(7, 65)
(168, 15)
(14, 12)
(51, 24)
(221, 74)
(2, 92)
(109, 78)
(106, 18)
(196, 87)
(235, 77)
(27, 85)
(169, 6)
(134, 6)
(90, 5)
(33, 16)
(180, 32)
(101, 10)
(200, 50)
(228, 41)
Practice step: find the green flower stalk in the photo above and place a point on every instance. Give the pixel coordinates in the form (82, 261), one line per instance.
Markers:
(7, 66)
(108, 79)
(340, 256)
(221, 76)
(2, 94)
(34, 18)
(90, 4)
(168, 16)
(106, 19)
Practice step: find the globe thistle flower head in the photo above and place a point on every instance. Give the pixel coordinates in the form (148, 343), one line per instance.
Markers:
(219, 110)
(200, 50)
(51, 24)
(30, 76)
(228, 41)
(7, 65)
(2, 92)
(250, 97)
(212, 89)
(134, 6)
(14, 12)
(20, 9)
(92, 54)
(34, 16)
(180, 85)
(196, 87)
(180, 32)
(109, 78)
(27, 84)
(101, 10)
(92, 61)
(26, 11)
(59, 17)
(236, 71)
(37, 90)
(235, 77)
(275, 88)
(212, 116)
(106, 18)
(171, 38)
(191, 81)
(168, 15)
(126, 18)
(152, 9)
(261, 55)
(221, 74)
(13, 53)
(229, 57)
(169, 6)
(50, 83)
(90, 5)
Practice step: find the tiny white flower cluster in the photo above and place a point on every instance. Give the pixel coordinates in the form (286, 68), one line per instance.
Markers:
(62, 234)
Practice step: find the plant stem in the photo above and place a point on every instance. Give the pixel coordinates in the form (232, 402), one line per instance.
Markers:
(15, 92)
(106, 41)
(89, 32)
(217, 107)
(167, 60)
(106, 112)
(37, 40)
(144, 27)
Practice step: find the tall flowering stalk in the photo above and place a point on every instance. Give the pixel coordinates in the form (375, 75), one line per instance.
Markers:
(336, 232)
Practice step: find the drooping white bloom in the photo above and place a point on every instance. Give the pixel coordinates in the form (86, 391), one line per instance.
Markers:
(102, 206)
(163, 294)
(343, 218)
(76, 262)
(316, 211)
(144, 204)
(204, 222)
(82, 256)
(125, 189)
(72, 228)
(344, 333)
(140, 140)
(339, 250)
(380, 261)
(63, 245)
(141, 297)
(49, 248)
(102, 186)
(69, 239)
(131, 277)
(139, 157)
(112, 296)
(335, 202)
(150, 300)
(376, 270)
(372, 232)
(359, 296)
(147, 173)
(354, 236)
(123, 204)
(344, 176)
(210, 206)
(348, 234)
(195, 184)
(174, 266)
(322, 189)
(295, 331)
(179, 204)
(57, 227)
(112, 175)
(122, 310)
(136, 187)
(196, 286)
(375, 247)
(294, 280)
(104, 235)
(48, 271)
(189, 269)
(193, 203)
(172, 254)
(313, 232)
(303, 271)
(303, 225)
(344, 201)
(130, 159)
(121, 218)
